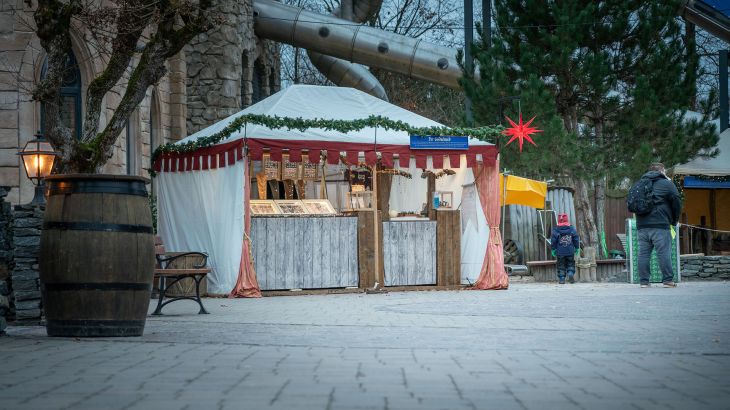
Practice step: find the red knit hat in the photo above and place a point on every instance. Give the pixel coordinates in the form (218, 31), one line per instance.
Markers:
(563, 220)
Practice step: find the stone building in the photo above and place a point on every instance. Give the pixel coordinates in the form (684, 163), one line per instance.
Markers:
(217, 74)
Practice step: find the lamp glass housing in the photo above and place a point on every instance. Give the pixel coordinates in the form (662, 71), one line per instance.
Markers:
(38, 158)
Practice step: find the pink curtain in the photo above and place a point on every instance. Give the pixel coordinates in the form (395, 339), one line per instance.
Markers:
(246, 286)
(492, 275)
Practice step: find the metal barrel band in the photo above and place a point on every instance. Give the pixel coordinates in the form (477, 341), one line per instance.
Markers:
(104, 286)
(136, 188)
(96, 227)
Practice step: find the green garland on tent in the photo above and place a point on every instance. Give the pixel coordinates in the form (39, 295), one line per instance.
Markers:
(343, 126)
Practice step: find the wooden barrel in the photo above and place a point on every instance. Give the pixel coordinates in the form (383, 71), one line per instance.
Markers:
(97, 255)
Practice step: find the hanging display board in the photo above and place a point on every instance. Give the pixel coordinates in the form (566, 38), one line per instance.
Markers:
(289, 170)
(272, 169)
(655, 274)
(309, 170)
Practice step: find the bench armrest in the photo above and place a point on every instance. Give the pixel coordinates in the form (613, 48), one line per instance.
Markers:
(165, 261)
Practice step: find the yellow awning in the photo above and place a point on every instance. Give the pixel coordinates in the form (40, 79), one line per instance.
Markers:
(523, 191)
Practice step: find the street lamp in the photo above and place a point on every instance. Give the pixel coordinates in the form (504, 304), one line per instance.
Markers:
(38, 158)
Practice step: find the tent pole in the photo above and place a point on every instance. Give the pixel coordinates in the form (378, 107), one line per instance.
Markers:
(376, 224)
(504, 200)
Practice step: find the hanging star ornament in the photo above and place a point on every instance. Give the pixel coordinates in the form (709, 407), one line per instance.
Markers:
(520, 131)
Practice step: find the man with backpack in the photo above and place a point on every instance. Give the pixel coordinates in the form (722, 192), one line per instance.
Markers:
(655, 201)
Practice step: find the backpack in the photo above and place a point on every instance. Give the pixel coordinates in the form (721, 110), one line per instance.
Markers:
(641, 197)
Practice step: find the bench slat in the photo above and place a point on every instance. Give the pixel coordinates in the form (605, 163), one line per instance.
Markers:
(181, 272)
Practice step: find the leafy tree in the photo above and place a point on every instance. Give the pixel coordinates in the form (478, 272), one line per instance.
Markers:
(609, 82)
(135, 39)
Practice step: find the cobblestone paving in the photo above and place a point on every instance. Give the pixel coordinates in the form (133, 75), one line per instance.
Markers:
(534, 346)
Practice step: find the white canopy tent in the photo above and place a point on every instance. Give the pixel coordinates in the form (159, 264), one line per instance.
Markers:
(201, 194)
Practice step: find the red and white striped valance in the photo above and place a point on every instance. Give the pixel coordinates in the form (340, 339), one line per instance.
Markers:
(218, 156)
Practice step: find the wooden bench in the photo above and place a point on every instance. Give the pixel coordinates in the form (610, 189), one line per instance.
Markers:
(177, 266)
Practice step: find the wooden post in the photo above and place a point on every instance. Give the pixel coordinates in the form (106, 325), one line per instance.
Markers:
(379, 275)
(365, 250)
(448, 247)
(430, 189)
(713, 220)
(684, 234)
(704, 235)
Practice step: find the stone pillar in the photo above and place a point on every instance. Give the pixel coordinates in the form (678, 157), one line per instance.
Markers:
(25, 278)
(214, 67)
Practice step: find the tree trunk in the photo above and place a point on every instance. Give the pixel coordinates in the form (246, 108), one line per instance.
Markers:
(600, 185)
(173, 29)
(296, 65)
(690, 41)
(585, 224)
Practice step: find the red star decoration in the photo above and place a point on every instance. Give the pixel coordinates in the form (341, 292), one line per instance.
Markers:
(520, 131)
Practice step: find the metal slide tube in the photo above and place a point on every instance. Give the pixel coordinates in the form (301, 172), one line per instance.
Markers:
(345, 73)
(360, 44)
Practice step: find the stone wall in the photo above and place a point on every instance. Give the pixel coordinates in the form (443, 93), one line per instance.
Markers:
(705, 267)
(25, 278)
(6, 257)
(223, 63)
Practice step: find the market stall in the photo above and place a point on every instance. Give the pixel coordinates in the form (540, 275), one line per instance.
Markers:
(272, 162)
(705, 185)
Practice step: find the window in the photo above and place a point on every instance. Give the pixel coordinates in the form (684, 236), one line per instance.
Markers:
(131, 147)
(244, 79)
(70, 96)
(258, 81)
(154, 125)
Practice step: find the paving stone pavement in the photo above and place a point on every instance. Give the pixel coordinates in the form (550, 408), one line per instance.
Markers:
(534, 346)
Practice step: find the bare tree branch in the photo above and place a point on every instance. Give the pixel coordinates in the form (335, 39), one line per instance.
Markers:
(117, 29)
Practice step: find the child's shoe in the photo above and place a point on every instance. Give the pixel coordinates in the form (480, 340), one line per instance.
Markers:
(571, 278)
(561, 281)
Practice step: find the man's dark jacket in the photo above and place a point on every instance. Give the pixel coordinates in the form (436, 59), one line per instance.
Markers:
(667, 206)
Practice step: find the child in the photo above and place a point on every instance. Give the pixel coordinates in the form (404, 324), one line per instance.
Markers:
(565, 243)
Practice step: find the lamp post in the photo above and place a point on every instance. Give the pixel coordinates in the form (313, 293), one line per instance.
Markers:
(505, 174)
(38, 158)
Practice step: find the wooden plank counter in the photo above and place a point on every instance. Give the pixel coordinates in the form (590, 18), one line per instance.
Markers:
(305, 252)
(409, 252)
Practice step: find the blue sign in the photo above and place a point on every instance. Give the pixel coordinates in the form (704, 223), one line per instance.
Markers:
(439, 142)
(694, 182)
